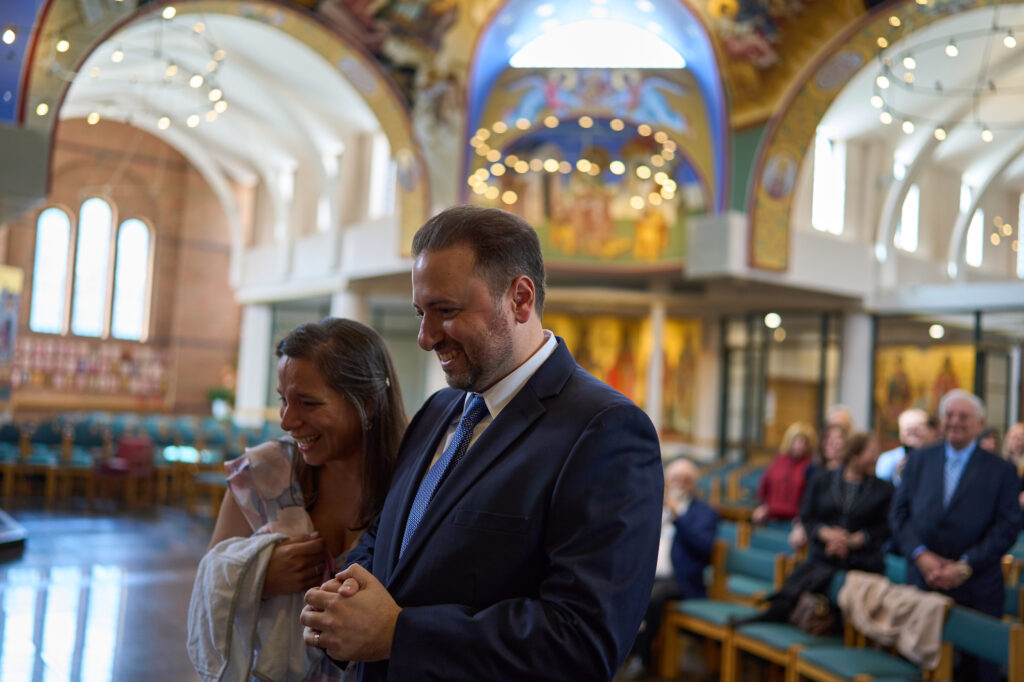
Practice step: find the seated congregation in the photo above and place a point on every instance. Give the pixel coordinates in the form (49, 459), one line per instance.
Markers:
(823, 569)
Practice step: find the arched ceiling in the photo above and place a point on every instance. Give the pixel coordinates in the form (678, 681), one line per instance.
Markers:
(286, 106)
(982, 86)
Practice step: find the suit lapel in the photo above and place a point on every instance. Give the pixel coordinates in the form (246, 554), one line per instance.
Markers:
(408, 482)
(497, 439)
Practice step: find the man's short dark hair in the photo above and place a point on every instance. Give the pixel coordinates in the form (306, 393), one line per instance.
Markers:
(504, 244)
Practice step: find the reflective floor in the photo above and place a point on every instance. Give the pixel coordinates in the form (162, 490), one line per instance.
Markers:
(100, 596)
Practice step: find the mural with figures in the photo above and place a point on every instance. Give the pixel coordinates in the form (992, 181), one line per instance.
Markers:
(912, 376)
(607, 164)
(617, 350)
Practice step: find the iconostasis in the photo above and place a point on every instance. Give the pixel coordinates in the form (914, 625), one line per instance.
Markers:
(911, 376)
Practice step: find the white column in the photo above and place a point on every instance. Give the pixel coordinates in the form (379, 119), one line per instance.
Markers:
(350, 305)
(656, 365)
(253, 365)
(1015, 370)
(855, 367)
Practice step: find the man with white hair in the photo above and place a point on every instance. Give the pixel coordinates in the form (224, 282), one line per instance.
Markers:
(956, 514)
(912, 424)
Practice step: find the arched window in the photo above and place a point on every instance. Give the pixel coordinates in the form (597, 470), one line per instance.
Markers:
(49, 274)
(91, 258)
(130, 280)
(109, 280)
(828, 191)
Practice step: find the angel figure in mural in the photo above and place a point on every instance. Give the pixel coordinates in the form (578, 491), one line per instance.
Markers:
(898, 393)
(552, 91)
(642, 98)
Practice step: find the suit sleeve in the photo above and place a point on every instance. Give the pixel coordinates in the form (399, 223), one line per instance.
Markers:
(601, 542)
(1005, 526)
(907, 537)
(696, 530)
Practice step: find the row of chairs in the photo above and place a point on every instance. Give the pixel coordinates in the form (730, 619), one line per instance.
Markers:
(748, 564)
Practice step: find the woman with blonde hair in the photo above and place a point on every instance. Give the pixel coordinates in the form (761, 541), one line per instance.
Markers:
(782, 486)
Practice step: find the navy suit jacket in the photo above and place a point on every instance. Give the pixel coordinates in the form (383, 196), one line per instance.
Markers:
(691, 549)
(536, 557)
(981, 521)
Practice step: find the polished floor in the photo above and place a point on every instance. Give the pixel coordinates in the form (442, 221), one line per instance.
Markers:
(99, 596)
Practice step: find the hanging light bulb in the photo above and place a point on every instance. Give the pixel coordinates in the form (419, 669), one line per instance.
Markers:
(163, 123)
(940, 134)
(885, 117)
(215, 94)
(192, 121)
(1009, 41)
(117, 56)
(951, 49)
(908, 127)
(877, 102)
(93, 118)
(909, 63)
(8, 36)
(169, 12)
(882, 81)
(195, 81)
(63, 45)
(986, 134)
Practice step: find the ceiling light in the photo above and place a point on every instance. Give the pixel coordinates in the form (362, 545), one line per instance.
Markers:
(894, 21)
(617, 167)
(908, 127)
(1007, 229)
(211, 115)
(877, 102)
(986, 134)
(491, 192)
(221, 106)
(63, 45)
(772, 320)
(636, 202)
(199, 27)
(169, 12)
(564, 167)
(94, 72)
(163, 123)
(93, 118)
(493, 155)
(882, 42)
(779, 334)
(117, 56)
(908, 77)
(509, 197)
(521, 166)
(192, 121)
(643, 172)
(616, 124)
(940, 134)
(936, 331)
(499, 127)
(8, 36)
(885, 117)
(643, 129)
(550, 121)
(583, 165)
(586, 122)
(171, 70)
(211, 66)
(497, 169)
(523, 123)
(882, 82)
(951, 50)
(219, 55)
(42, 109)
(551, 165)
(195, 81)
(215, 94)
(1009, 41)
(909, 63)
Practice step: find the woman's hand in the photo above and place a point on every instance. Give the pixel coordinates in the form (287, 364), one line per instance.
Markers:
(295, 566)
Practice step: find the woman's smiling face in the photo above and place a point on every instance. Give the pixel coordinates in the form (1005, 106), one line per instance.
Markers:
(325, 425)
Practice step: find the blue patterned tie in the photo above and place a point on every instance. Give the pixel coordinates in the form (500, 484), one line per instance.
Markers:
(449, 458)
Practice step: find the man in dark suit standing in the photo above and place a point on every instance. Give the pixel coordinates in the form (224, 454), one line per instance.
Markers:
(956, 514)
(519, 538)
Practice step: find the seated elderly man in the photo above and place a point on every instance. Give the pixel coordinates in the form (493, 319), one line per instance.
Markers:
(956, 514)
(687, 533)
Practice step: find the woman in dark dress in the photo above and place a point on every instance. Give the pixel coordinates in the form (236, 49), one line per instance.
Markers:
(845, 512)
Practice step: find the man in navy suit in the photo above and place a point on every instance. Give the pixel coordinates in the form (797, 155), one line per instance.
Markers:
(956, 514)
(533, 557)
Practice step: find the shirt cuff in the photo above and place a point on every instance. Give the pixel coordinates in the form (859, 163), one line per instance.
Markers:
(918, 551)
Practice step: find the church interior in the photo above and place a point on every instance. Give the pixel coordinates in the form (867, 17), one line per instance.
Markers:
(750, 211)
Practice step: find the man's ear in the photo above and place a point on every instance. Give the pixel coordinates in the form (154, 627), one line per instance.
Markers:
(523, 296)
